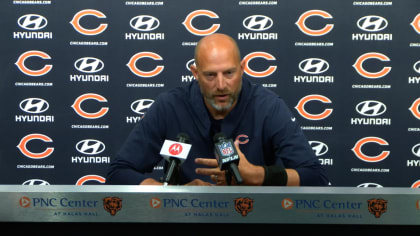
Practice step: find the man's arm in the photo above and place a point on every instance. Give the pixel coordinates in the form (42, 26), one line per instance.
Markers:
(252, 175)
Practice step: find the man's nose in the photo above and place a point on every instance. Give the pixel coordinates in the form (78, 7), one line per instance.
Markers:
(220, 82)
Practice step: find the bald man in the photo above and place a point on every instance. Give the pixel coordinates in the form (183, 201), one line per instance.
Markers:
(272, 148)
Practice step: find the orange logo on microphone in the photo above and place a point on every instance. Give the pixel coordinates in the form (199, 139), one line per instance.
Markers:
(20, 63)
(200, 32)
(22, 146)
(300, 107)
(301, 23)
(77, 106)
(75, 22)
(358, 65)
(259, 74)
(357, 149)
(132, 64)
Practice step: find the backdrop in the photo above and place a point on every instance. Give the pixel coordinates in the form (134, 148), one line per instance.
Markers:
(76, 77)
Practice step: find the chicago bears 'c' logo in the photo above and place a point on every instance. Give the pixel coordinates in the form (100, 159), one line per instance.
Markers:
(416, 23)
(112, 205)
(300, 107)
(75, 22)
(200, 32)
(415, 108)
(22, 146)
(416, 184)
(358, 65)
(314, 32)
(244, 205)
(77, 106)
(132, 64)
(20, 63)
(84, 179)
(377, 207)
(357, 149)
(259, 74)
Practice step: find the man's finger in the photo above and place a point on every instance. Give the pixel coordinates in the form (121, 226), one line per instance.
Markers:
(207, 171)
(236, 143)
(207, 162)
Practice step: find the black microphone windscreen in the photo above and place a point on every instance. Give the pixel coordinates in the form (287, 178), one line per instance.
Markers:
(217, 137)
(183, 138)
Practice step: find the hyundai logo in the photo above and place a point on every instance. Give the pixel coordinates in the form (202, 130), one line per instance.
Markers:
(34, 105)
(144, 23)
(416, 150)
(371, 108)
(257, 23)
(35, 182)
(89, 65)
(372, 23)
(32, 22)
(369, 185)
(319, 148)
(90, 147)
(140, 106)
(416, 67)
(314, 66)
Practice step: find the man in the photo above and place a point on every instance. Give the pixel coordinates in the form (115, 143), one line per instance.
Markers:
(271, 145)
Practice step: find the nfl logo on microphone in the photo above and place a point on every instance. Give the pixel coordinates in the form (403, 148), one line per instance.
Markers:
(226, 149)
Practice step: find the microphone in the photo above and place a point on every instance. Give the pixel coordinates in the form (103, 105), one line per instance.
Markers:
(227, 157)
(175, 152)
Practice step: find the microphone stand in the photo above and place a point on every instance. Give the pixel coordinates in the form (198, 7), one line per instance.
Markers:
(172, 173)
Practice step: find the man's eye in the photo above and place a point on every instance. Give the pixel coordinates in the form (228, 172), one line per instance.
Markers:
(229, 73)
(210, 75)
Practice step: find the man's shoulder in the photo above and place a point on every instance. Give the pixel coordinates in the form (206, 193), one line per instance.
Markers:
(179, 92)
(265, 96)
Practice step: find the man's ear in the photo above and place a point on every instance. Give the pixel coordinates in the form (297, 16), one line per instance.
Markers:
(242, 66)
(194, 71)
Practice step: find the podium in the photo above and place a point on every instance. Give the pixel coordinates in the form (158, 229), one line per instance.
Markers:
(193, 204)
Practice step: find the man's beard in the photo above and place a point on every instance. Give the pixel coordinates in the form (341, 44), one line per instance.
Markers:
(232, 99)
(221, 108)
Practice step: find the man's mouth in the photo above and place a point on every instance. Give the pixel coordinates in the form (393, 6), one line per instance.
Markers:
(221, 96)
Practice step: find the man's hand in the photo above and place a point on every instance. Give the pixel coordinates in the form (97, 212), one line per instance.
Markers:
(196, 182)
(251, 174)
(150, 181)
(216, 175)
